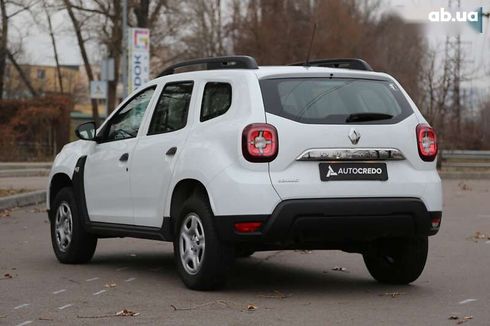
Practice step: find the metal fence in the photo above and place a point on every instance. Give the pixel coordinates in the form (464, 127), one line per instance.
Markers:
(465, 154)
(465, 161)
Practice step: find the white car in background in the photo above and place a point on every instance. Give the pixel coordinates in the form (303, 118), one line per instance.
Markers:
(238, 158)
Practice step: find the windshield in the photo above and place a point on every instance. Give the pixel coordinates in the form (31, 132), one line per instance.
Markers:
(335, 101)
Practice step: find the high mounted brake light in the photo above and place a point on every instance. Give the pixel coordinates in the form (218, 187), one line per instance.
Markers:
(260, 142)
(426, 142)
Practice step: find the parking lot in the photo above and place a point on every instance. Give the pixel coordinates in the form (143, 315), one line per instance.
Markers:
(284, 287)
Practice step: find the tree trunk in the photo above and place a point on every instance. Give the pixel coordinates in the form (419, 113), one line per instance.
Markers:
(83, 52)
(55, 50)
(142, 12)
(3, 45)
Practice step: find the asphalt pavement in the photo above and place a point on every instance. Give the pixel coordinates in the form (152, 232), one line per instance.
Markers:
(270, 288)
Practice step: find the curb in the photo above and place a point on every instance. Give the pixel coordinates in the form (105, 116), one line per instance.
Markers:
(26, 199)
(25, 165)
(24, 173)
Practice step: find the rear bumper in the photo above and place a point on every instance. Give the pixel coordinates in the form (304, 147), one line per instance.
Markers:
(332, 220)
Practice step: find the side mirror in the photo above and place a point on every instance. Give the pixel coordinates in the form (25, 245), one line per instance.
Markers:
(86, 131)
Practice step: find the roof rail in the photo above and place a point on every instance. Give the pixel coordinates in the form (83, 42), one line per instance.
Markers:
(347, 63)
(213, 63)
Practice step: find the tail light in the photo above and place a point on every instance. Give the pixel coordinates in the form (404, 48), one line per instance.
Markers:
(427, 142)
(260, 142)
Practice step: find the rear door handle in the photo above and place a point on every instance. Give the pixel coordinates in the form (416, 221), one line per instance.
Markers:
(171, 151)
(124, 157)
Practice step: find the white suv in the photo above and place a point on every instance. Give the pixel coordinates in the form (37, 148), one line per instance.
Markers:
(238, 158)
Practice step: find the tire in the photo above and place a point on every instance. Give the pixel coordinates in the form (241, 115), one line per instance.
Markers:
(397, 261)
(203, 261)
(71, 243)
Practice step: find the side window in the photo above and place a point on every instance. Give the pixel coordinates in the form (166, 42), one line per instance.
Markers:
(216, 100)
(171, 111)
(126, 122)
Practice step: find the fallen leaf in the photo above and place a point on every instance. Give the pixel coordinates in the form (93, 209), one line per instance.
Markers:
(251, 307)
(477, 236)
(463, 186)
(7, 276)
(127, 313)
(339, 269)
(480, 235)
(5, 213)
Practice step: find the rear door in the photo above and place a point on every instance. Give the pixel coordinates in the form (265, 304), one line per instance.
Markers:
(341, 137)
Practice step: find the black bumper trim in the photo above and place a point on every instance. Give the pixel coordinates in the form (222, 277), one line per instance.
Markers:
(333, 220)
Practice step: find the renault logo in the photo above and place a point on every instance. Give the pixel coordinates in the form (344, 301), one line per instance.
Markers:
(354, 136)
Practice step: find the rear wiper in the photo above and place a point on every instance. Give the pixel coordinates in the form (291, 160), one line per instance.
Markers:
(367, 116)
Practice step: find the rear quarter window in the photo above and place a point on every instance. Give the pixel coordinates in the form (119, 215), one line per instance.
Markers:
(216, 100)
(332, 101)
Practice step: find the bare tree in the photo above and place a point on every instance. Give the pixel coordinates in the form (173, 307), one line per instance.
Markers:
(8, 10)
(168, 27)
(77, 27)
(53, 43)
(106, 24)
(147, 12)
(22, 75)
(206, 28)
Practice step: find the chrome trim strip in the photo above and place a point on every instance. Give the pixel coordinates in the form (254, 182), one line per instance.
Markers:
(351, 154)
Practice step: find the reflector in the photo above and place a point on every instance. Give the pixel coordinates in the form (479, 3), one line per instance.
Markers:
(247, 227)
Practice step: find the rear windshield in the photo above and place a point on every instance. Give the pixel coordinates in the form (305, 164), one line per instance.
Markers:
(335, 101)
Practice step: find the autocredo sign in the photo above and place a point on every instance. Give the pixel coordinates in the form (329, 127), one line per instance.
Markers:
(138, 58)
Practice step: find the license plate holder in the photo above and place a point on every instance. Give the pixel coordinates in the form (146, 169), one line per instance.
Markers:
(337, 171)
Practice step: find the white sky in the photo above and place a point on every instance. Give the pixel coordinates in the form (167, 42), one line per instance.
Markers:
(476, 46)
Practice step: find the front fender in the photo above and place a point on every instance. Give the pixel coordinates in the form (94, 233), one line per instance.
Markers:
(66, 161)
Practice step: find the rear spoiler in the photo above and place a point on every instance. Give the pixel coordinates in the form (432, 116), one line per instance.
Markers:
(356, 64)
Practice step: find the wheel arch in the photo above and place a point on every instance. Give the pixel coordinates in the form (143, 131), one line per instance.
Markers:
(59, 181)
(183, 190)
